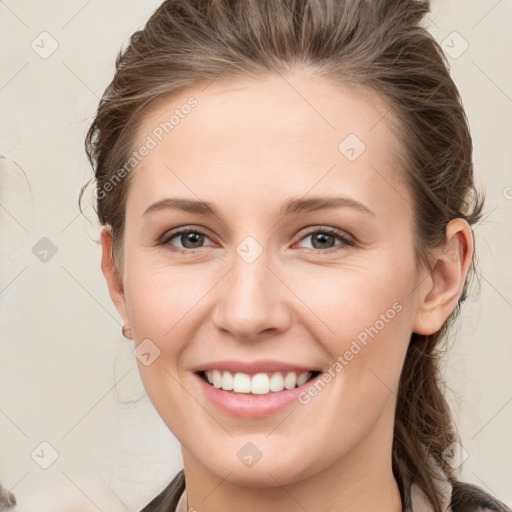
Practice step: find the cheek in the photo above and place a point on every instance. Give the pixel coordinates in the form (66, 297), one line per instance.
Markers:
(162, 299)
(365, 324)
(357, 302)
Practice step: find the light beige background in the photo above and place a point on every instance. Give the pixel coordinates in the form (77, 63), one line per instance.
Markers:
(67, 376)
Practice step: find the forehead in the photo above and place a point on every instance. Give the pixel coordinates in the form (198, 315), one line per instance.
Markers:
(288, 132)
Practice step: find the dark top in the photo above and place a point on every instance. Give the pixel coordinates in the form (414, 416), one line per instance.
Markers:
(465, 498)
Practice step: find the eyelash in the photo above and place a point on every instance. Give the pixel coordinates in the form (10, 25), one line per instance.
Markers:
(347, 242)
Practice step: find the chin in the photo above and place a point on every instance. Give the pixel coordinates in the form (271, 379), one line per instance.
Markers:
(270, 471)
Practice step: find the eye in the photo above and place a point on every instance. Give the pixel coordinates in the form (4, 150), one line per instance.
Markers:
(325, 238)
(194, 238)
(189, 238)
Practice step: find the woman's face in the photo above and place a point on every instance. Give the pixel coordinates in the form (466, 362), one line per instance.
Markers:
(307, 262)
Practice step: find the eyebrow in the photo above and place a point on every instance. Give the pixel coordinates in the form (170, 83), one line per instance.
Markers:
(291, 205)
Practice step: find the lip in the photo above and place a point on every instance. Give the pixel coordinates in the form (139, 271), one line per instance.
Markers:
(248, 405)
(253, 367)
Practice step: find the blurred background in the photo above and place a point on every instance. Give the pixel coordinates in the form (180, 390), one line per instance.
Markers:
(77, 432)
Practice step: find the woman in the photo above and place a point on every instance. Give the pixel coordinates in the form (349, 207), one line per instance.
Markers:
(286, 189)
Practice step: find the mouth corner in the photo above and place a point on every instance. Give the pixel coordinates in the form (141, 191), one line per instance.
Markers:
(201, 374)
(314, 375)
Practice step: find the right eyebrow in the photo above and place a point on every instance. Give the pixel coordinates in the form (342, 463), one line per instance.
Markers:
(187, 205)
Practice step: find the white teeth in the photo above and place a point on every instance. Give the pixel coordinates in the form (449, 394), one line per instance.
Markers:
(217, 377)
(290, 381)
(258, 384)
(276, 382)
(302, 378)
(227, 381)
(241, 383)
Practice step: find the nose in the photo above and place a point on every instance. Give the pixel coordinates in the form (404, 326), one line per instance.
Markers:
(252, 301)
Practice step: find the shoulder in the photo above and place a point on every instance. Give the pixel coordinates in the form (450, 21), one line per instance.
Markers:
(465, 498)
(168, 499)
(470, 498)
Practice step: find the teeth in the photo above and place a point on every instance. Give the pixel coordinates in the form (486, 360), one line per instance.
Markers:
(217, 378)
(241, 383)
(276, 382)
(258, 384)
(302, 378)
(227, 381)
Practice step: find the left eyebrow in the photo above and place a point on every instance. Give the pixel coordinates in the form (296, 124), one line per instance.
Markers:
(300, 205)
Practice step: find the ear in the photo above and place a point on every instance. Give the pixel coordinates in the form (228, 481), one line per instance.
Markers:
(440, 289)
(114, 282)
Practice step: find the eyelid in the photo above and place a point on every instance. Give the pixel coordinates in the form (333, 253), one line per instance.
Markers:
(346, 239)
(169, 235)
(325, 229)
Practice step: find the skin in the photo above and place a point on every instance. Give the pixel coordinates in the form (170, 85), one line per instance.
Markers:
(246, 148)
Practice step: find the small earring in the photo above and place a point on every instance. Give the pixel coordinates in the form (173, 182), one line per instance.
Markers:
(127, 332)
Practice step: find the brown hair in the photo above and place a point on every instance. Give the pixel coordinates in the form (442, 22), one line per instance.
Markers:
(378, 45)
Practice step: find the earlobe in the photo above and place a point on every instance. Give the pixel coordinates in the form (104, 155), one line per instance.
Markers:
(114, 282)
(442, 286)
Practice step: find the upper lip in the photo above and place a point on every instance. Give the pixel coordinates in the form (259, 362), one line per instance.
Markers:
(251, 367)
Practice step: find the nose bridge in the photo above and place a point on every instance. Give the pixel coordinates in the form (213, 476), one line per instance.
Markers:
(250, 303)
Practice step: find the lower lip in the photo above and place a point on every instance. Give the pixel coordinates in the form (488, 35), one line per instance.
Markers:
(248, 404)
